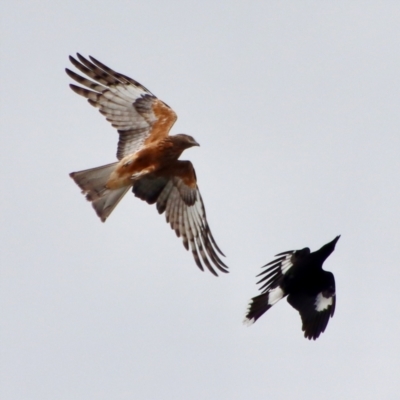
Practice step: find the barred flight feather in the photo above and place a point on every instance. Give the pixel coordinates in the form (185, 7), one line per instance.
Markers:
(116, 96)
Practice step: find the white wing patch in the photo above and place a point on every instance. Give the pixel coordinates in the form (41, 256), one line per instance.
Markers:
(274, 295)
(322, 303)
(275, 270)
(286, 264)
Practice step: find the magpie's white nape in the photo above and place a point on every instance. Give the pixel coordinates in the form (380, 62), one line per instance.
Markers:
(298, 274)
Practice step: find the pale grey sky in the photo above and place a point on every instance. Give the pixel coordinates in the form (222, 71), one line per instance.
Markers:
(296, 107)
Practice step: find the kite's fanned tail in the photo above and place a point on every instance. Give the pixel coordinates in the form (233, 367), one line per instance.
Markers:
(93, 184)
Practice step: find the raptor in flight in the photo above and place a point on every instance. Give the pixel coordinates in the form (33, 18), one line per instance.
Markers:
(147, 159)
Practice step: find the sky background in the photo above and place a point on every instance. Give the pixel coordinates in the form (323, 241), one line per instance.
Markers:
(296, 107)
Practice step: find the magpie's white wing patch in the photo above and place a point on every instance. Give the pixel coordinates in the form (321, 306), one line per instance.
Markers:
(315, 311)
(276, 270)
(286, 264)
(322, 303)
(274, 295)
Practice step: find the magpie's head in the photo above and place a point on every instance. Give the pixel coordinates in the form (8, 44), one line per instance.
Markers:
(327, 249)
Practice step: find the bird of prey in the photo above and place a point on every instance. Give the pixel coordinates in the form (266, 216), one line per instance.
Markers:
(298, 274)
(147, 159)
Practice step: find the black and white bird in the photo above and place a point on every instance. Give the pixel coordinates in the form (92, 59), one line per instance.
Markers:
(298, 274)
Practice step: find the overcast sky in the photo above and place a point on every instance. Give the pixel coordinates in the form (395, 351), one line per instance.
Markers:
(296, 106)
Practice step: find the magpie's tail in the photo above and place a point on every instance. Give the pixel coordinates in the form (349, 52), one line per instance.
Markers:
(260, 304)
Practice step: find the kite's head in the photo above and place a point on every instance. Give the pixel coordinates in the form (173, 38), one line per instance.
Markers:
(184, 141)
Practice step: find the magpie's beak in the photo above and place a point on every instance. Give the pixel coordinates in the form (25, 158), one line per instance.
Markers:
(334, 241)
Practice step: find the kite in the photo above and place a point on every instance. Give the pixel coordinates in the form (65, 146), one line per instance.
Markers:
(147, 159)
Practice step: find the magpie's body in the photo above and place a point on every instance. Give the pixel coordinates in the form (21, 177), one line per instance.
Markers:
(299, 275)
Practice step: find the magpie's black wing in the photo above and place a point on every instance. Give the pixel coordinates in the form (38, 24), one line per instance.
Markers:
(278, 268)
(273, 287)
(315, 310)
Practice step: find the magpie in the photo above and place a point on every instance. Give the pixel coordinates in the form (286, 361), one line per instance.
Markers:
(298, 274)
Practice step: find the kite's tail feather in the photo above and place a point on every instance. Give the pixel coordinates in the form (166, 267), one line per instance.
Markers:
(93, 184)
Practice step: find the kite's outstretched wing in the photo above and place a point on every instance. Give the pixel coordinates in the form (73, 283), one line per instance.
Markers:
(176, 193)
(138, 115)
